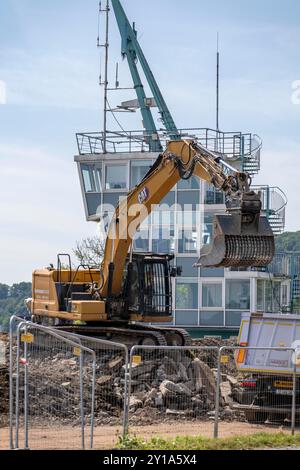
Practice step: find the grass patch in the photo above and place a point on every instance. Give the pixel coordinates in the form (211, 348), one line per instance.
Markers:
(254, 441)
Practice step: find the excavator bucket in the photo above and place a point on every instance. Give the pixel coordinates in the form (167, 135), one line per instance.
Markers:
(241, 239)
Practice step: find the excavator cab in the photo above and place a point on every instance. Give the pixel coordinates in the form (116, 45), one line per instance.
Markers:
(147, 286)
(242, 237)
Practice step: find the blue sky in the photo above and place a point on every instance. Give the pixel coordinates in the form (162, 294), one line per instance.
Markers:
(50, 67)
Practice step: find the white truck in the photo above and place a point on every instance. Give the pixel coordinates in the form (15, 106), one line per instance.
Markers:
(266, 389)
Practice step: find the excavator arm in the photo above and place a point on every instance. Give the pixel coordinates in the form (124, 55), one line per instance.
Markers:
(132, 289)
(242, 237)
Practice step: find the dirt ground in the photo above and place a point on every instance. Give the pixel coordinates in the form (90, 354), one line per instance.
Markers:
(106, 437)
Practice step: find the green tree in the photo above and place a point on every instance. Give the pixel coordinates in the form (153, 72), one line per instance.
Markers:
(288, 241)
(13, 302)
(4, 290)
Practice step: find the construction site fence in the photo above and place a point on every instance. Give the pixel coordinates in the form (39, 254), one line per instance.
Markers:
(62, 386)
(213, 386)
(59, 385)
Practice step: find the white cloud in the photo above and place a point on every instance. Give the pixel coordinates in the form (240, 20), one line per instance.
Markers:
(2, 92)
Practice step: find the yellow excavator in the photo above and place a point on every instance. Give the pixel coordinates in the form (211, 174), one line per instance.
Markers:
(131, 290)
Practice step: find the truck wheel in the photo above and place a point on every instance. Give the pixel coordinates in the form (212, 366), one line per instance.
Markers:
(256, 417)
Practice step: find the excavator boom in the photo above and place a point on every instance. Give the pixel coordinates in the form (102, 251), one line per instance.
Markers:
(242, 237)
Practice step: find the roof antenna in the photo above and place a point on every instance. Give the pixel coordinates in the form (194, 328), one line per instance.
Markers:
(117, 76)
(218, 85)
(106, 10)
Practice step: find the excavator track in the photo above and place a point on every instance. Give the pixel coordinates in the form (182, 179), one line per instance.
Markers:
(137, 334)
(173, 336)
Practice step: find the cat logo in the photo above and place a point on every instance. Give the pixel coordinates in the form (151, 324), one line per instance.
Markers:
(143, 196)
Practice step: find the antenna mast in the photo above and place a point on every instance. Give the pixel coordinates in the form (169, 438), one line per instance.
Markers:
(106, 10)
(218, 85)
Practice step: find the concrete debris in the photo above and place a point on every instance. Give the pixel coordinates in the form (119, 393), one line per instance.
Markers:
(196, 374)
(226, 392)
(165, 386)
(105, 380)
(116, 363)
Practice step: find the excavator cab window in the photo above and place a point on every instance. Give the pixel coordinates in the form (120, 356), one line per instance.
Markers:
(149, 292)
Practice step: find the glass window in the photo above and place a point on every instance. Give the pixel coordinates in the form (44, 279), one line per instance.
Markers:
(233, 318)
(94, 205)
(163, 217)
(188, 200)
(213, 196)
(86, 179)
(92, 177)
(284, 295)
(163, 240)
(188, 218)
(188, 241)
(207, 231)
(211, 295)
(139, 169)
(116, 177)
(212, 272)
(238, 294)
(212, 318)
(268, 296)
(111, 200)
(186, 318)
(272, 296)
(191, 183)
(276, 296)
(186, 294)
(187, 265)
(260, 294)
(141, 241)
(168, 200)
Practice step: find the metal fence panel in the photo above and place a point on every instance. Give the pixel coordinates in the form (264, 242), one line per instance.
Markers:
(53, 405)
(172, 385)
(258, 401)
(62, 385)
(111, 380)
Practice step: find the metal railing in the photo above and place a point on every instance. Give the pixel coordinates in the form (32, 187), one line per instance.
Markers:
(170, 383)
(233, 146)
(212, 386)
(274, 203)
(262, 397)
(286, 264)
(62, 385)
(53, 391)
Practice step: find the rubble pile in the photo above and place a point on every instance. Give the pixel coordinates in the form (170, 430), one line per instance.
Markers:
(4, 380)
(177, 385)
(211, 356)
(165, 386)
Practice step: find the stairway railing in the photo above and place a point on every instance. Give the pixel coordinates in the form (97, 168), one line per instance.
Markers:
(274, 203)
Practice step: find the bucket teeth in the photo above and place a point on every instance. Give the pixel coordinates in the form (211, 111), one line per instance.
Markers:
(248, 250)
(239, 251)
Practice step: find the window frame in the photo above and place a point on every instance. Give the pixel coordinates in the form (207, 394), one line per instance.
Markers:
(187, 280)
(131, 166)
(116, 164)
(228, 280)
(215, 283)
